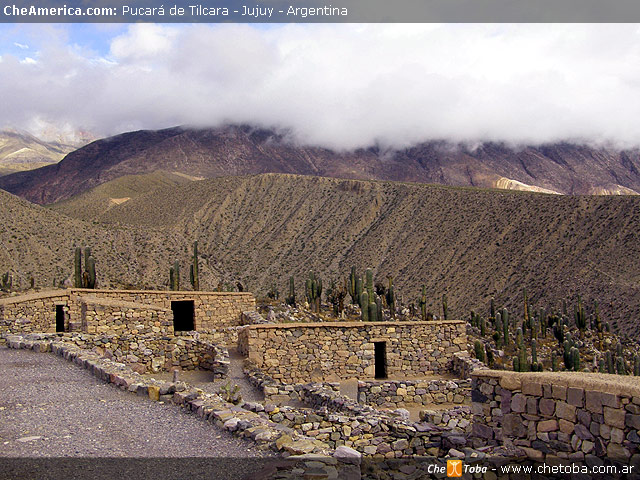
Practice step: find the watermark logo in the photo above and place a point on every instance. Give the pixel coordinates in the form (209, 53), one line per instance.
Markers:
(454, 468)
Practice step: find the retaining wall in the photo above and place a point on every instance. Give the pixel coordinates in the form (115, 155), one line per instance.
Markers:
(393, 394)
(299, 353)
(564, 414)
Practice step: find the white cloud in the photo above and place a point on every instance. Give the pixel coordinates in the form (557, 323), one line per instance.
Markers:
(345, 86)
(22, 46)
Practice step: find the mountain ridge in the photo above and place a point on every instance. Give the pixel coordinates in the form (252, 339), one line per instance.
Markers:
(245, 150)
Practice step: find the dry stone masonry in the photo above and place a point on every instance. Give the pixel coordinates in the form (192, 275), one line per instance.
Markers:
(296, 353)
(563, 414)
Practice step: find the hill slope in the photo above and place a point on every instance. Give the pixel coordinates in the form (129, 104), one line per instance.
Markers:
(21, 151)
(234, 150)
(468, 243)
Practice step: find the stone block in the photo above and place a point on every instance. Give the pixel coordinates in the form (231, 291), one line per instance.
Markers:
(614, 417)
(559, 392)
(566, 411)
(518, 403)
(547, 406)
(575, 396)
(548, 425)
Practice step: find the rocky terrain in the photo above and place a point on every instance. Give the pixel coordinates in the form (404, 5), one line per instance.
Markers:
(468, 243)
(243, 150)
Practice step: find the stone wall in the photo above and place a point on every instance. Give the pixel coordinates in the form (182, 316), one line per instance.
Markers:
(33, 313)
(394, 394)
(564, 414)
(212, 309)
(299, 353)
(106, 316)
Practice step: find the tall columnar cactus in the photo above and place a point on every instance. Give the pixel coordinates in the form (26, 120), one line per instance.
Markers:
(291, 299)
(391, 298)
(516, 364)
(580, 318)
(314, 291)
(174, 276)
(519, 338)
(373, 312)
(534, 351)
(596, 313)
(483, 327)
(364, 301)
(352, 287)
(575, 359)
(369, 279)
(445, 307)
(621, 368)
(479, 350)
(609, 361)
(77, 268)
(554, 362)
(359, 290)
(379, 308)
(505, 326)
(195, 270)
(90, 273)
(423, 303)
(7, 280)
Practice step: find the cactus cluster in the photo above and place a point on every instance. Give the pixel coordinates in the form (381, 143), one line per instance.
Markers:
(291, 298)
(84, 278)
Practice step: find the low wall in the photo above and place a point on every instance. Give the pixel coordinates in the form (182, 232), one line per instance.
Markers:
(298, 353)
(96, 311)
(212, 309)
(32, 313)
(563, 414)
(150, 353)
(113, 317)
(393, 394)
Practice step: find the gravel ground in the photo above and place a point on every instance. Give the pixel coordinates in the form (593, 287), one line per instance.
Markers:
(52, 408)
(205, 381)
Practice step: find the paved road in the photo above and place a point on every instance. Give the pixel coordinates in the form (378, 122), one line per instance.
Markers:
(52, 408)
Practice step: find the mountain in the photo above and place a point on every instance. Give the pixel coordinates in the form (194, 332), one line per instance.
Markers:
(469, 243)
(242, 150)
(21, 151)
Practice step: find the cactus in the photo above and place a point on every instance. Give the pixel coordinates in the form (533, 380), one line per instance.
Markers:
(534, 353)
(423, 303)
(621, 368)
(610, 364)
(519, 338)
(314, 291)
(522, 354)
(90, 273)
(359, 290)
(479, 350)
(580, 319)
(195, 275)
(391, 298)
(445, 307)
(554, 362)
(7, 281)
(601, 366)
(352, 287)
(291, 299)
(596, 313)
(516, 364)
(373, 312)
(364, 300)
(505, 326)
(575, 359)
(483, 328)
(636, 365)
(379, 308)
(369, 279)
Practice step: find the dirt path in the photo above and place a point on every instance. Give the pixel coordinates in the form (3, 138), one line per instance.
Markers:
(52, 408)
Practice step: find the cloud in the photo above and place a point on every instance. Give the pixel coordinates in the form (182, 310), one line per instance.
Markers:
(343, 86)
(21, 46)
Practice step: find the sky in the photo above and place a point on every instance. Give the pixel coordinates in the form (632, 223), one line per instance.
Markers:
(342, 86)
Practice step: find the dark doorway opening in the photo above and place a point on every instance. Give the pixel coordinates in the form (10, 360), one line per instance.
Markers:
(381, 359)
(59, 318)
(183, 315)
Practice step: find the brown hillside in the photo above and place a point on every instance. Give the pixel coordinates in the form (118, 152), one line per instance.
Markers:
(468, 243)
(243, 150)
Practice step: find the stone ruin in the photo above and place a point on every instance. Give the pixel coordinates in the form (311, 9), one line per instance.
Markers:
(336, 391)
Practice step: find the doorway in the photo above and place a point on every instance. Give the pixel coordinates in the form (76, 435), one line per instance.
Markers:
(183, 315)
(59, 318)
(380, 350)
